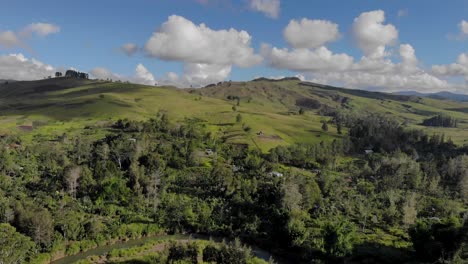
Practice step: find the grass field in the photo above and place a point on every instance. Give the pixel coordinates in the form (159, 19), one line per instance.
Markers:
(269, 108)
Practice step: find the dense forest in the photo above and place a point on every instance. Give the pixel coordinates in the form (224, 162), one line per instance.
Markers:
(381, 194)
(440, 121)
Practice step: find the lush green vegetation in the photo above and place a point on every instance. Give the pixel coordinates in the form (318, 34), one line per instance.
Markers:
(320, 179)
(325, 201)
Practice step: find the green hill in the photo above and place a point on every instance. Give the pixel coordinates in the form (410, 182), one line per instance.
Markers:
(269, 109)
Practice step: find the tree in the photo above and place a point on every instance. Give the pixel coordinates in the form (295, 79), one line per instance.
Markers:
(409, 210)
(14, 247)
(75, 74)
(338, 238)
(436, 242)
(42, 227)
(234, 108)
(324, 126)
(301, 111)
(71, 224)
(71, 179)
(153, 188)
(339, 128)
(463, 183)
(238, 118)
(58, 74)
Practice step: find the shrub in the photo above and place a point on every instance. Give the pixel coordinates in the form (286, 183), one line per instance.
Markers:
(73, 248)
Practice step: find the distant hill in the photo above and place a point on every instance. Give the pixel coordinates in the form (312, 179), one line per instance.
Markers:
(439, 95)
(3, 81)
(269, 108)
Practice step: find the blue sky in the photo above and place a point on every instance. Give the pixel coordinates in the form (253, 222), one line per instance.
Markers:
(89, 37)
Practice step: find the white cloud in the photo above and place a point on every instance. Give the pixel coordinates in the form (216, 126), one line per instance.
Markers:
(18, 67)
(141, 76)
(408, 55)
(463, 28)
(270, 8)
(310, 33)
(129, 48)
(372, 35)
(316, 60)
(197, 75)
(104, 74)
(8, 39)
(41, 29)
(208, 55)
(459, 68)
(179, 39)
(385, 75)
(375, 70)
(420, 81)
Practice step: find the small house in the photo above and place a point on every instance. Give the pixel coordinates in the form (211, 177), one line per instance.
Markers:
(368, 151)
(275, 173)
(209, 152)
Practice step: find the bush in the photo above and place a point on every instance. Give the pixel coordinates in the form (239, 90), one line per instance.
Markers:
(42, 258)
(73, 248)
(179, 252)
(87, 245)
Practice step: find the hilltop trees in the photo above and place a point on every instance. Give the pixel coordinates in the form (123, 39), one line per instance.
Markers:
(75, 74)
(58, 74)
(440, 121)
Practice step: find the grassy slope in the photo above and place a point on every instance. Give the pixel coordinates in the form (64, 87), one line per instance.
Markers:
(58, 106)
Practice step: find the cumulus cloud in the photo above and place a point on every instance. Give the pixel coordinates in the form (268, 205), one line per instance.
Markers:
(18, 67)
(372, 35)
(129, 48)
(385, 75)
(320, 59)
(408, 55)
(208, 55)
(270, 8)
(463, 28)
(310, 33)
(458, 68)
(141, 76)
(104, 74)
(420, 81)
(41, 29)
(197, 75)
(375, 70)
(179, 39)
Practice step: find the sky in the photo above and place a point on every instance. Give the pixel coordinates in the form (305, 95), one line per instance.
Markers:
(382, 45)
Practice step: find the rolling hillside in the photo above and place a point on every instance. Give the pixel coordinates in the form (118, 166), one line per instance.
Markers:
(268, 108)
